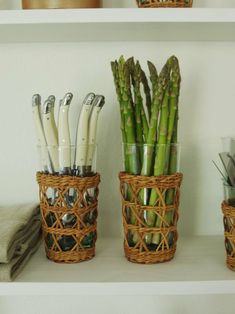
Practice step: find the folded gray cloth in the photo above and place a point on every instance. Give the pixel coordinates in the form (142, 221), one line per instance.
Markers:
(17, 224)
(9, 271)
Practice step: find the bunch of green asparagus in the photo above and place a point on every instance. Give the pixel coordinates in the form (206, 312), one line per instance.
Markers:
(148, 125)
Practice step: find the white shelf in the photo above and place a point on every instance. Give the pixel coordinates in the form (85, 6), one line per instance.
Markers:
(198, 268)
(73, 25)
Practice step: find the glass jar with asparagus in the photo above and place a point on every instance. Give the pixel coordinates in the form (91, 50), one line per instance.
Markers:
(150, 183)
(68, 181)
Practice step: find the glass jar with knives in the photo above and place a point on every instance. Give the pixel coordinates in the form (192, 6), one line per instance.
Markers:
(68, 181)
(227, 158)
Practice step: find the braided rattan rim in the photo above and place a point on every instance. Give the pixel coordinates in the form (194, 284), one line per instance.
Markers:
(166, 181)
(229, 212)
(135, 254)
(62, 184)
(61, 181)
(166, 4)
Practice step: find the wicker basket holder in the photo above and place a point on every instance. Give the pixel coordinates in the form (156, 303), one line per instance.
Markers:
(165, 4)
(60, 4)
(229, 234)
(137, 232)
(69, 217)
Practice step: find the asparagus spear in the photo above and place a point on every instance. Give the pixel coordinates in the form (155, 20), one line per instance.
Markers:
(154, 81)
(135, 79)
(140, 116)
(172, 128)
(172, 162)
(158, 94)
(130, 129)
(121, 71)
(172, 132)
(114, 67)
(160, 157)
(173, 159)
(142, 78)
(150, 137)
(174, 95)
(130, 126)
(147, 93)
(152, 134)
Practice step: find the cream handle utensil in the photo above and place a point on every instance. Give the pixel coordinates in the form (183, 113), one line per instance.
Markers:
(51, 98)
(51, 134)
(64, 135)
(41, 139)
(82, 135)
(97, 103)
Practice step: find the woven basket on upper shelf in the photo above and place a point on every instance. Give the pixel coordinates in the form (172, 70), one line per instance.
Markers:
(69, 211)
(165, 4)
(136, 248)
(229, 234)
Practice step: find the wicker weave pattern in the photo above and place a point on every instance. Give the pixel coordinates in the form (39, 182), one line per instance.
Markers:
(166, 4)
(229, 233)
(140, 251)
(74, 242)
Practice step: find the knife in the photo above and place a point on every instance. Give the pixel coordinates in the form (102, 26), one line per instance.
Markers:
(97, 104)
(223, 176)
(64, 135)
(82, 135)
(51, 134)
(229, 167)
(41, 139)
(51, 98)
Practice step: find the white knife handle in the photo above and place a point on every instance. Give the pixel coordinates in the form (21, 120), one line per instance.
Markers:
(97, 106)
(51, 136)
(41, 141)
(82, 132)
(92, 135)
(51, 98)
(82, 137)
(64, 139)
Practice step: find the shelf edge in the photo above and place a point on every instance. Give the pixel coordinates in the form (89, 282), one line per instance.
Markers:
(136, 288)
(116, 15)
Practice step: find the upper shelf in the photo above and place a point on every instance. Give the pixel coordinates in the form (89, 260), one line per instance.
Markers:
(72, 25)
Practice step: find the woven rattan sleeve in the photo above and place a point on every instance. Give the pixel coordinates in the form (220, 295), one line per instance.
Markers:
(165, 4)
(69, 216)
(229, 233)
(135, 232)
